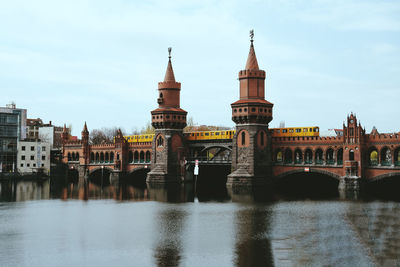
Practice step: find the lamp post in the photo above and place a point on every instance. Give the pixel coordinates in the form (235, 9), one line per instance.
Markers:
(102, 172)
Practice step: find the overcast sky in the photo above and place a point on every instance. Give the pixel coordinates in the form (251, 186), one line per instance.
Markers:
(100, 61)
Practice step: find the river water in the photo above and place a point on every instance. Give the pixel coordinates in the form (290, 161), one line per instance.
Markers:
(43, 225)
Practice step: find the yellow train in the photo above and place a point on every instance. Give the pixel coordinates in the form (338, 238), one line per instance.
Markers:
(139, 138)
(295, 131)
(209, 135)
(228, 134)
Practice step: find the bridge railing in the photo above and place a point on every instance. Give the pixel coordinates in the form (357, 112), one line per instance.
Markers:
(208, 160)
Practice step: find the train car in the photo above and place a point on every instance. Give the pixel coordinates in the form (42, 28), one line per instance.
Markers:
(139, 138)
(295, 131)
(209, 135)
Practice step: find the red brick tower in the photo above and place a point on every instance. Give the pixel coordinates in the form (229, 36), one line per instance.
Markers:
(251, 157)
(168, 120)
(354, 139)
(85, 145)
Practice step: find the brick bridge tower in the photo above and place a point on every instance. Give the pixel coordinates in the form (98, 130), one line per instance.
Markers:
(251, 148)
(168, 120)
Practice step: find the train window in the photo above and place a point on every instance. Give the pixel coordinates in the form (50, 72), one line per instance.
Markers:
(192, 134)
(278, 131)
(284, 130)
(197, 134)
(212, 134)
(207, 134)
(216, 133)
(291, 131)
(201, 134)
(305, 130)
(316, 130)
(298, 130)
(310, 129)
(272, 131)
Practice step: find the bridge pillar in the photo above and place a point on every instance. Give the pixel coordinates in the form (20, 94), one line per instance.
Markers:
(168, 143)
(350, 187)
(251, 148)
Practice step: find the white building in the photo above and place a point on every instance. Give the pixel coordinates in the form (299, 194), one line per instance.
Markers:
(33, 157)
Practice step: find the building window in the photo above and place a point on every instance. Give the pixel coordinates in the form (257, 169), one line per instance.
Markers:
(23, 148)
(27, 165)
(43, 148)
(32, 157)
(23, 157)
(22, 165)
(243, 138)
(43, 157)
(32, 148)
(34, 164)
(42, 165)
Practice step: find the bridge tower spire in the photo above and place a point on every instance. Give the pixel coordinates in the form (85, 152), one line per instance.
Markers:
(251, 155)
(168, 120)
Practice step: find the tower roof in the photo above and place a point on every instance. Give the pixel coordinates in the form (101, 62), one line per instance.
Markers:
(85, 128)
(169, 74)
(252, 63)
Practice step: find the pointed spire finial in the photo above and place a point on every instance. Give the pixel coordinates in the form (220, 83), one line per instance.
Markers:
(251, 35)
(169, 74)
(169, 52)
(252, 63)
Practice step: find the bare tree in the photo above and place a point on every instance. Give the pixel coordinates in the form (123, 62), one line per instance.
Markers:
(103, 135)
(148, 129)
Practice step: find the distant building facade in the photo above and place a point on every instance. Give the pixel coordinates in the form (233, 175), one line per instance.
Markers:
(12, 129)
(33, 157)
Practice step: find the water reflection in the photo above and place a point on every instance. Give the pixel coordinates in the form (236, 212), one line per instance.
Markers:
(168, 240)
(253, 245)
(24, 190)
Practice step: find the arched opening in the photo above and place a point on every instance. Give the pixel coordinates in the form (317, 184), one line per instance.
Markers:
(130, 157)
(288, 156)
(262, 137)
(160, 141)
(243, 138)
(373, 157)
(387, 188)
(69, 156)
(107, 157)
(73, 156)
(91, 157)
(319, 156)
(397, 157)
(77, 156)
(111, 157)
(386, 157)
(278, 156)
(137, 177)
(136, 157)
(141, 155)
(148, 156)
(101, 157)
(330, 156)
(100, 177)
(351, 154)
(308, 156)
(340, 156)
(97, 157)
(72, 176)
(307, 185)
(298, 156)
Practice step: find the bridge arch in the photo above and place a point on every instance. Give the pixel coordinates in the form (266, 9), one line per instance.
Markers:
(109, 169)
(384, 176)
(137, 176)
(317, 171)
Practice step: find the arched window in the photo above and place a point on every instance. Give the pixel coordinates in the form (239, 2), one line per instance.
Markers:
(386, 157)
(373, 157)
(243, 138)
(130, 157)
(112, 157)
(69, 156)
(279, 156)
(107, 158)
(298, 156)
(351, 154)
(330, 156)
(262, 138)
(340, 157)
(308, 156)
(318, 156)
(101, 157)
(73, 156)
(288, 155)
(97, 157)
(141, 157)
(77, 156)
(136, 157)
(148, 156)
(160, 141)
(91, 157)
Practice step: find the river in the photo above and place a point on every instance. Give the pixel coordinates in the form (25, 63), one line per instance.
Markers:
(44, 225)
